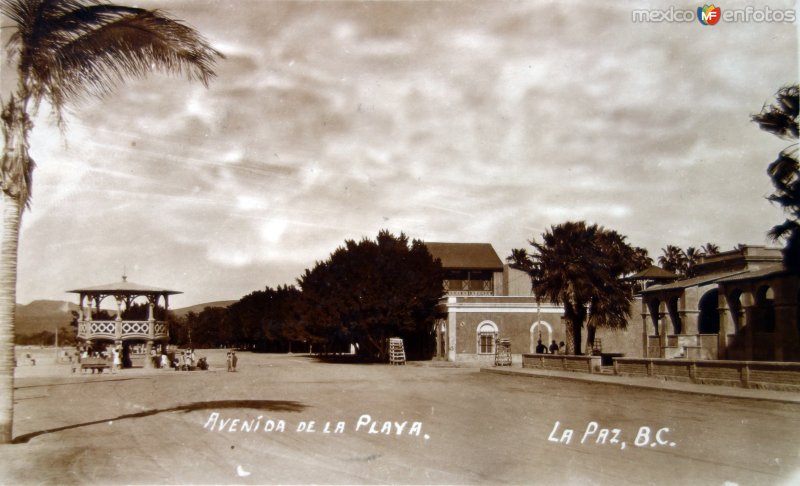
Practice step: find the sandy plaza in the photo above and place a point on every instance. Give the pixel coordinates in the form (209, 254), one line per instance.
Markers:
(290, 419)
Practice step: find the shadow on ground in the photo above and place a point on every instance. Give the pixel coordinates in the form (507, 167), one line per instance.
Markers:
(265, 405)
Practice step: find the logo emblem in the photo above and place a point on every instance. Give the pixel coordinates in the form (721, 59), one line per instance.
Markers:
(709, 14)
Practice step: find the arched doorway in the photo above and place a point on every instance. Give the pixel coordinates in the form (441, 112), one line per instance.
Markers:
(736, 310)
(708, 321)
(764, 310)
(536, 334)
(654, 308)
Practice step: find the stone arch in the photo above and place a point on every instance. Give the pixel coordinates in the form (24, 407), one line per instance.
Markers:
(708, 321)
(673, 306)
(736, 309)
(535, 338)
(654, 307)
(764, 309)
(486, 335)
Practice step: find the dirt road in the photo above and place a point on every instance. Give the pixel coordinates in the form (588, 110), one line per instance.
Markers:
(289, 419)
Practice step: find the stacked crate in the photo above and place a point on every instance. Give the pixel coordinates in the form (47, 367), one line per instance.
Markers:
(397, 353)
(502, 353)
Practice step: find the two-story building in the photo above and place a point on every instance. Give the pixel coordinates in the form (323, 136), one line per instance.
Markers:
(486, 300)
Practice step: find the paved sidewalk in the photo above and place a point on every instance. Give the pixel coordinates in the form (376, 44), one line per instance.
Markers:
(651, 383)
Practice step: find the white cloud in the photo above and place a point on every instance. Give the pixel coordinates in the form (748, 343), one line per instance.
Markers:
(453, 123)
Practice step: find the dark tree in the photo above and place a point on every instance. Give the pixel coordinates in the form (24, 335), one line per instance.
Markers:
(268, 320)
(369, 291)
(781, 119)
(673, 260)
(582, 267)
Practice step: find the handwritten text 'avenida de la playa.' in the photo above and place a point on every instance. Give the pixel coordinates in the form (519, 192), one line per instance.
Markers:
(365, 424)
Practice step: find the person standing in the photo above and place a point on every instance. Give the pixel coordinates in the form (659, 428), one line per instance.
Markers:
(116, 362)
(553, 347)
(541, 348)
(233, 360)
(230, 361)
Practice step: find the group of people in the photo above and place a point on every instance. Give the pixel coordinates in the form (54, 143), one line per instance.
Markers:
(232, 359)
(554, 348)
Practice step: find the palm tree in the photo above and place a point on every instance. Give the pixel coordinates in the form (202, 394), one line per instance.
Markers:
(580, 266)
(710, 249)
(65, 50)
(781, 119)
(673, 260)
(693, 256)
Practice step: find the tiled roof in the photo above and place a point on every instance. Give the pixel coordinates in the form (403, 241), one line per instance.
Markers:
(692, 282)
(477, 256)
(770, 271)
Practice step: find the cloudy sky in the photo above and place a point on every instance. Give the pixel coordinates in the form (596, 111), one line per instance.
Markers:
(449, 121)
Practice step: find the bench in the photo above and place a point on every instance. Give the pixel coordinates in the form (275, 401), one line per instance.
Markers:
(95, 364)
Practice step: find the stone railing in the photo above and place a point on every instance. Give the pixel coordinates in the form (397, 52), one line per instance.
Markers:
(747, 374)
(562, 362)
(123, 330)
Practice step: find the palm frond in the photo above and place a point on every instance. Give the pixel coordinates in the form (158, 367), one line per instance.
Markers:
(780, 118)
(76, 48)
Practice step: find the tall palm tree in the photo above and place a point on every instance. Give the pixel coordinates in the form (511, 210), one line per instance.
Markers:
(673, 259)
(693, 256)
(65, 50)
(579, 266)
(710, 248)
(781, 119)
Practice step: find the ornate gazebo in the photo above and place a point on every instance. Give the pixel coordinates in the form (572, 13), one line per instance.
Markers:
(118, 330)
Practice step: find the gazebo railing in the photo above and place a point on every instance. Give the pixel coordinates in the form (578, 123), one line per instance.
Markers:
(123, 330)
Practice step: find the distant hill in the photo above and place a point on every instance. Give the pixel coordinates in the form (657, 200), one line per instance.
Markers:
(46, 315)
(43, 315)
(199, 307)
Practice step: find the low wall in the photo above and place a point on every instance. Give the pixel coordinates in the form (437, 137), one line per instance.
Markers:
(562, 362)
(747, 374)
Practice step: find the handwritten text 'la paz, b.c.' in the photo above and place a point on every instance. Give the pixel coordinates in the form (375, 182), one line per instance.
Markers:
(596, 435)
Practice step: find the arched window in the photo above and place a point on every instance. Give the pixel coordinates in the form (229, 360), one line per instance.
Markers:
(487, 334)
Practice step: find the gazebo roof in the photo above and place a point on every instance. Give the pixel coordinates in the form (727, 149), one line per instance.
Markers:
(124, 288)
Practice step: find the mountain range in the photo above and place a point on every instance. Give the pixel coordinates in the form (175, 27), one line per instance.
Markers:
(47, 315)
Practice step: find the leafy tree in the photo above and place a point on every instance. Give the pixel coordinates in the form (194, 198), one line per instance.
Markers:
(141, 312)
(368, 291)
(581, 267)
(64, 50)
(781, 119)
(209, 329)
(269, 320)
